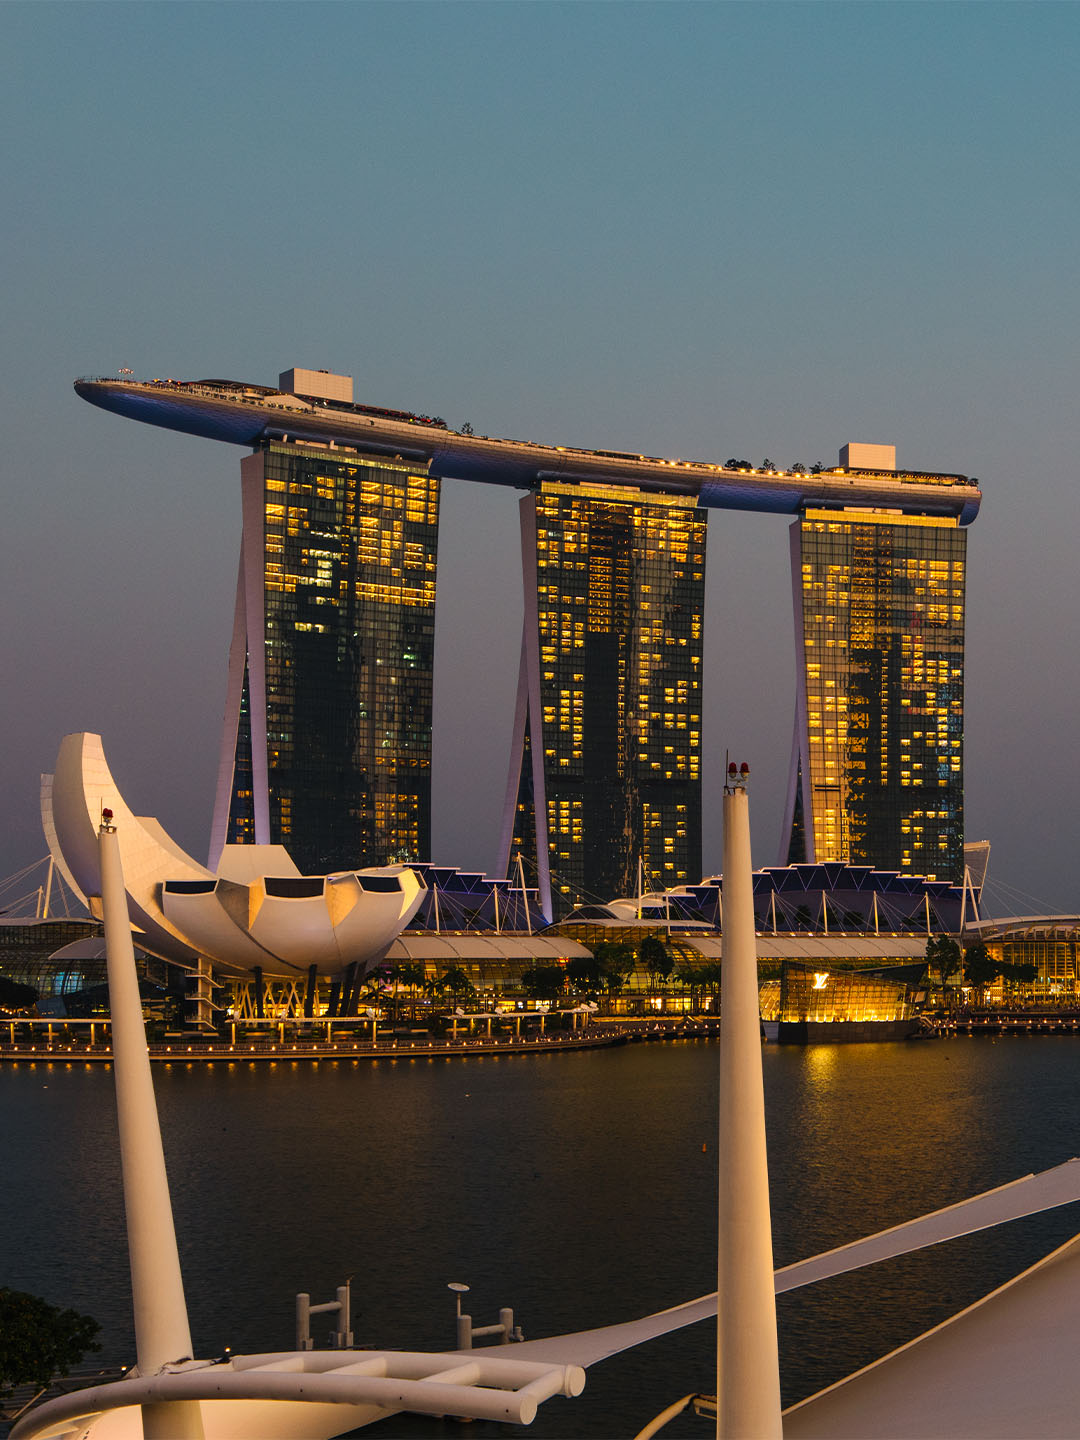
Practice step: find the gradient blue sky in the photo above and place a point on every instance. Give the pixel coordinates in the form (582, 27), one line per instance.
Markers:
(686, 229)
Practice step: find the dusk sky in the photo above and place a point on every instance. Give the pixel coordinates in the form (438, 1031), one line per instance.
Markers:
(690, 230)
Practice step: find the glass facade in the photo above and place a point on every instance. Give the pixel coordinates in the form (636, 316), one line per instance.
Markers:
(348, 555)
(880, 638)
(26, 947)
(241, 829)
(828, 996)
(1054, 950)
(615, 692)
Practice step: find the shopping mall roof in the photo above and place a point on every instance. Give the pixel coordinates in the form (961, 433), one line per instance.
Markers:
(450, 949)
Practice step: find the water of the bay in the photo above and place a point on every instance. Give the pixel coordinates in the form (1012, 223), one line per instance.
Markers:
(578, 1188)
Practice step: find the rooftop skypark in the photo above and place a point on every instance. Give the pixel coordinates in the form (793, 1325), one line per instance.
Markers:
(241, 414)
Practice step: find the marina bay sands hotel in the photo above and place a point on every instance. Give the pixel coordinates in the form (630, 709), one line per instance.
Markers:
(327, 741)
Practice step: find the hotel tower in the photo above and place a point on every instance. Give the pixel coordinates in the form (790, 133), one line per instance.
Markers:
(877, 763)
(605, 770)
(327, 739)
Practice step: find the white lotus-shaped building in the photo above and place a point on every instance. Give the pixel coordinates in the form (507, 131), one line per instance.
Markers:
(256, 912)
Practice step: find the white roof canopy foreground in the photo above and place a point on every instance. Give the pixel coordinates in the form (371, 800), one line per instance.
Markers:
(1026, 1196)
(1003, 1368)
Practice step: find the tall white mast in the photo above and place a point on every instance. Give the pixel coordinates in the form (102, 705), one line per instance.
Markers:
(747, 1359)
(162, 1333)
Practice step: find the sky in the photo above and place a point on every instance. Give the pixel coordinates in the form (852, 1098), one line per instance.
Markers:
(691, 230)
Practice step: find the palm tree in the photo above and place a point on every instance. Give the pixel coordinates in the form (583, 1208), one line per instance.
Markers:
(457, 982)
(543, 982)
(710, 977)
(412, 974)
(691, 979)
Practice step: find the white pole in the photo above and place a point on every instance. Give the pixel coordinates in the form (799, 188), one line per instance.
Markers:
(162, 1333)
(48, 888)
(969, 889)
(963, 903)
(747, 1361)
(524, 897)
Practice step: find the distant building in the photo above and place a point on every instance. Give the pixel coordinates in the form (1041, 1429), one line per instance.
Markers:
(32, 953)
(877, 766)
(1049, 942)
(828, 901)
(606, 762)
(327, 741)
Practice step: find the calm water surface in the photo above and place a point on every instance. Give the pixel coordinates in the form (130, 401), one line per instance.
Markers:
(581, 1189)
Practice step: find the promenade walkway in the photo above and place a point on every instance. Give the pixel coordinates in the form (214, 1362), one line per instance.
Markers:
(246, 1051)
(1010, 1022)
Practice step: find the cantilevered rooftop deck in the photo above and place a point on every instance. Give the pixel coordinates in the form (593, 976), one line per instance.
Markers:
(241, 414)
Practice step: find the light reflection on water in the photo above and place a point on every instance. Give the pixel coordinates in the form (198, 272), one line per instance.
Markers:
(573, 1187)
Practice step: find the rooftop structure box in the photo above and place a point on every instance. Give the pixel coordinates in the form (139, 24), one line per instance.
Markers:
(323, 384)
(858, 457)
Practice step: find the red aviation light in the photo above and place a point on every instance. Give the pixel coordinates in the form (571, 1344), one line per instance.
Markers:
(733, 769)
(744, 769)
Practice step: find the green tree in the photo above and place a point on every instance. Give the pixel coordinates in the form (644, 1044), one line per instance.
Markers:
(39, 1341)
(584, 974)
(980, 968)
(656, 958)
(616, 963)
(544, 982)
(1020, 972)
(942, 960)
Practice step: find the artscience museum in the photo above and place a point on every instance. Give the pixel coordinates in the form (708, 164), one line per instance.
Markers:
(256, 915)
